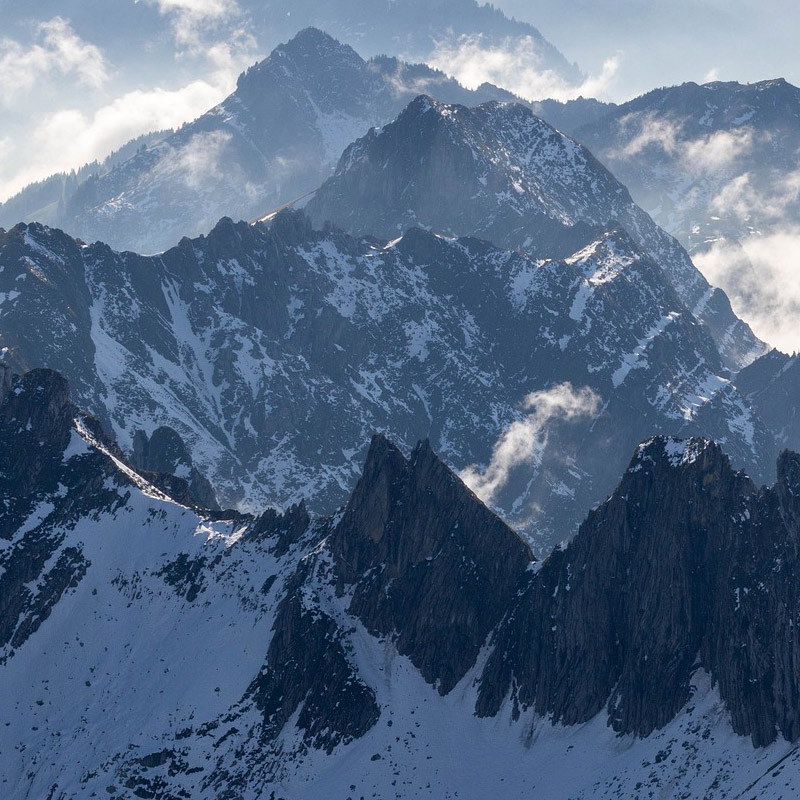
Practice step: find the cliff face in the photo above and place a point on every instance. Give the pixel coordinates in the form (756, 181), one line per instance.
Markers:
(687, 565)
(425, 562)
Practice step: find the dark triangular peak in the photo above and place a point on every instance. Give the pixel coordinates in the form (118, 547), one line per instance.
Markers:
(686, 566)
(495, 170)
(426, 561)
(311, 53)
(311, 42)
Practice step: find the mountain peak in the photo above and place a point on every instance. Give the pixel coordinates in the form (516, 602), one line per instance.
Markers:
(408, 523)
(315, 42)
(674, 451)
(306, 56)
(421, 104)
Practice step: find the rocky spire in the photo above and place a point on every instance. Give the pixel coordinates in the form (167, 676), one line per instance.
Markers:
(427, 562)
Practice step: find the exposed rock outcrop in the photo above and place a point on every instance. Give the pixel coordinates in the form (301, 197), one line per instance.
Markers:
(427, 563)
(166, 454)
(687, 565)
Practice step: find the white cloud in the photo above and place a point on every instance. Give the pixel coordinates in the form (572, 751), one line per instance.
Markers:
(515, 65)
(61, 139)
(57, 49)
(198, 162)
(200, 8)
(761, 275)
(651, 130)
(194, 20)
(742, 199)
(710, 153)
(68, 138)
(524, 441)
(717, 151)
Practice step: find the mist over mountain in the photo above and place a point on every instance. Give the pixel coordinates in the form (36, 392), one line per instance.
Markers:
(78, 81)
(274, 139)
(716, 166)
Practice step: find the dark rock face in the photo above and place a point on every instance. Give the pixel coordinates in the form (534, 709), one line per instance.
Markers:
(166, 453)
(771, 385)
(307, 667)
(499, 172)
(687, 565)
(36, 422)
(427, 562)
(35, 428)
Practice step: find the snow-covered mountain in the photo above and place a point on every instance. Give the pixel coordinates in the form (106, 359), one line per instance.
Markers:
(500, 172)
(275, 351)
(707, 162)
(408, 646)
(278, 136)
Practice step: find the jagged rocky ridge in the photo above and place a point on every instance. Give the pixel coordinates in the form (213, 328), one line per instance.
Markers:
(500, 172)
(336, 683)
(275, 138)
(57, 467)
(276, 351)
(687, 566)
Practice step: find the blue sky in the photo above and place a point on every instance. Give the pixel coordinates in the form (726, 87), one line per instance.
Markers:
(664, 42)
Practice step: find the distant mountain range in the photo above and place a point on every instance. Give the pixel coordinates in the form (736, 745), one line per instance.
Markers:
(409, 28)
(707, 162)
(274, 139)
(410, 645)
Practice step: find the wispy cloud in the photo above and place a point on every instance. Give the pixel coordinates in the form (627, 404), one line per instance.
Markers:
(709, 153)
(56, 49)
(198, 163)
(760, 271)
(60, 139)
(760, 275)
(68, 138)
(193, 21)
(743, 198)
(524, 441)
(516, 65)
